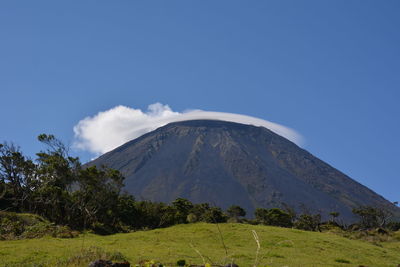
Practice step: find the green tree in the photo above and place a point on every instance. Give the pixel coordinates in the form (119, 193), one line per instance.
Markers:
(371, 217)
(235, 212)
(274, 216)
(214, 215)
(17, 177)
(56, 173)
(152, 215)
(126, 210)
(278, 217)
(197, 212)
(182, 208)
(261, 215)
(98, 195)
(308, 222)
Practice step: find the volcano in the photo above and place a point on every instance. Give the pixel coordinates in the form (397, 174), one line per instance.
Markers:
(226, 163)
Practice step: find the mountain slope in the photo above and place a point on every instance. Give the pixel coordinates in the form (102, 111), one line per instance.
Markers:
(227, 163)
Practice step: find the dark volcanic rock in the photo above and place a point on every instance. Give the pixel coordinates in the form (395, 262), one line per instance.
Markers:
(226, 163)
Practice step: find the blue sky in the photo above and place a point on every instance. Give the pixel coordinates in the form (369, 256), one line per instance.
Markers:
(328, 69)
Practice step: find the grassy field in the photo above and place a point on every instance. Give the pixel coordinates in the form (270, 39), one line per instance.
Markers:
(278, 247)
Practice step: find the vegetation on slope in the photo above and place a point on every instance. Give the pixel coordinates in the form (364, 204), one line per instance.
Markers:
(195, 242)
(25, 225)
(56, 187)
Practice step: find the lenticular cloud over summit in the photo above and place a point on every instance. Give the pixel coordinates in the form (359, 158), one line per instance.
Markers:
(114, 127)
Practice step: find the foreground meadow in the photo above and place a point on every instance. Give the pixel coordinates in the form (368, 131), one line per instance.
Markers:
(201, 242)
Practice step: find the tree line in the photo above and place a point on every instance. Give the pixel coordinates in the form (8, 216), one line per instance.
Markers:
(57, 187)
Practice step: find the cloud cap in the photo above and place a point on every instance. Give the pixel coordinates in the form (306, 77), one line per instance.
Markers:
(111, 128)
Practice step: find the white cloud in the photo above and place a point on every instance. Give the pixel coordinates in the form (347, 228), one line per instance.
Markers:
(114, 127)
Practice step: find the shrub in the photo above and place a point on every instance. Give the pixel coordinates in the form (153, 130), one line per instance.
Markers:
(278, 217)
(181, 263)
(235, 212)
(214, 215)
(192, 218)
(393, 226)
(21, 225)
(308, 222)
(342, 261)
(371, 217)
(275, 217)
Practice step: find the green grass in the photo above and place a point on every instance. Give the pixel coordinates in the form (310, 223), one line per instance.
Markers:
(279, 247)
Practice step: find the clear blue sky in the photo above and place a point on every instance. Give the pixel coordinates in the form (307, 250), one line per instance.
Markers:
(329, 69)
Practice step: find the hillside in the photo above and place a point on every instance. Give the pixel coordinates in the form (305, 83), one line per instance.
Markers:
(279, 247)
(226, 163)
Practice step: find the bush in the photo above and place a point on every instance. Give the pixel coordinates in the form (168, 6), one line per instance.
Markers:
(308, 222)
(192, 218)
(278, 217)
(275, 217)
(342, 261)
(102, 229)
(235, 212)
(21, 226)
(214, 215)
(371, 217)
(181, 263)
(393, 226)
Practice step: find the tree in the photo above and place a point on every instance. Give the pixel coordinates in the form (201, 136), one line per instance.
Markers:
(57, 172)
(393, 226)
(274, 216)
(98, 194)
(197, 212)
(308, 222)
(278, 217)
(56, 166)
(182, 208)
(371, 217)
(126, 210)
(151, 215)
(235, 212)
(291, 211)
(17, 177)
(214, 215)
(261, 215)
(334, 215)
(3, 189)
